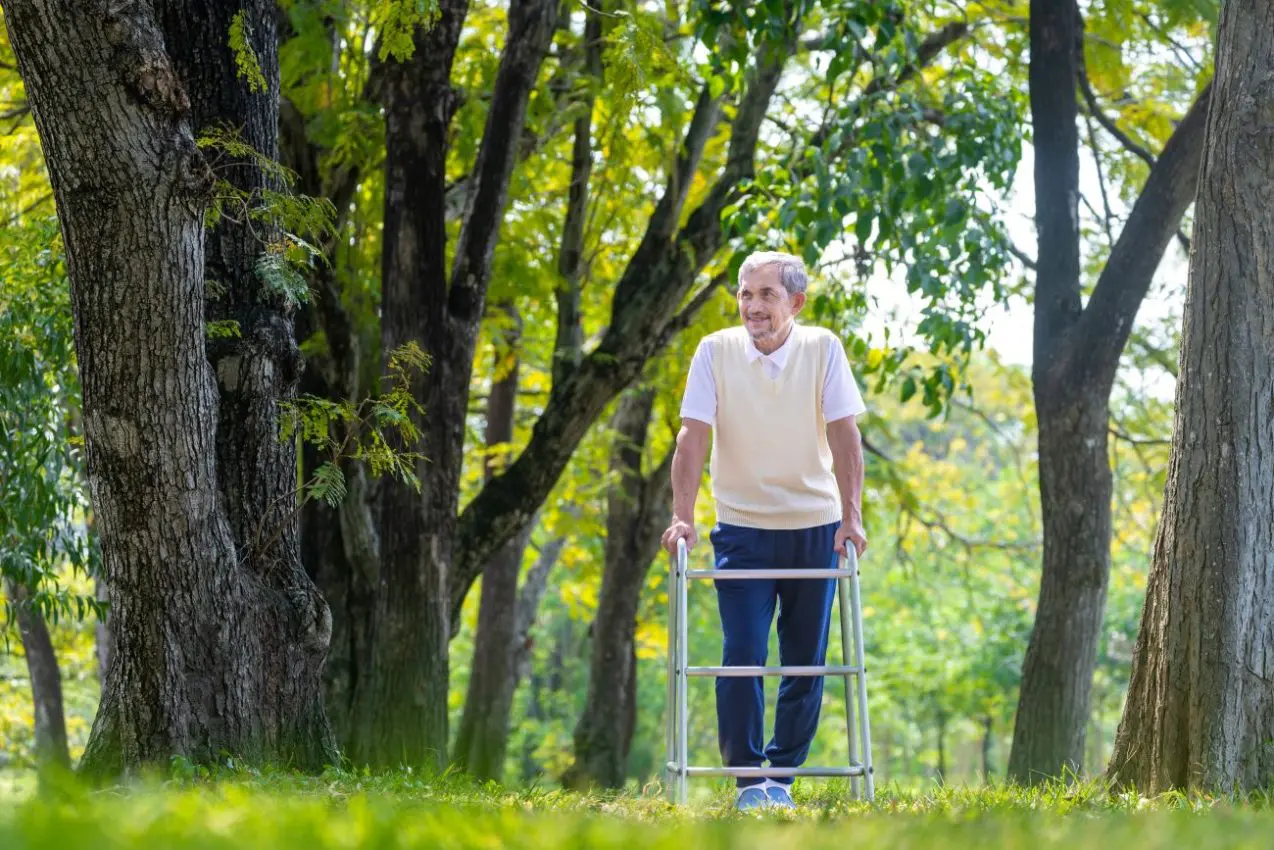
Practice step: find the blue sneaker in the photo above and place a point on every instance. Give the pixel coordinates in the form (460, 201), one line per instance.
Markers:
(752, 797)
(777, 792)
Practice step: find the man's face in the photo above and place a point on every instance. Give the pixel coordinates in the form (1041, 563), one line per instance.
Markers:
(765, 306)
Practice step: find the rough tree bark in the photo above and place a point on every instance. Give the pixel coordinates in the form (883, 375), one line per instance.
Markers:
(46, 680)
(1200, 707)
(637, 510)
(482, 739)
(260, 367)
(1076, 354)
(401, 705)
(211, 654)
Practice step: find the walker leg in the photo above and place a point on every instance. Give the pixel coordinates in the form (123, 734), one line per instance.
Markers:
(842, 599)
(865, 728)
(670, 712)
(682, 677)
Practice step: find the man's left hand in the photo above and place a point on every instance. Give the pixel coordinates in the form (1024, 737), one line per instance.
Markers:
(851, 530)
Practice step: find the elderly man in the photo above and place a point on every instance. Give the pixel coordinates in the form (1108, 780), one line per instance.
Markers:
(777, 401)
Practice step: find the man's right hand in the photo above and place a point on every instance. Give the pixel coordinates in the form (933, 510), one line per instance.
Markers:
(679, 531)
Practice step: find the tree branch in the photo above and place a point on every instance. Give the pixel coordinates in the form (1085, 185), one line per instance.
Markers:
(530, 29)
(567, 347)
(933, 44)
(687, 315)
(1094, 109)
(968, 543)
(1023, 257)
(1107, 321)
(1138, 441)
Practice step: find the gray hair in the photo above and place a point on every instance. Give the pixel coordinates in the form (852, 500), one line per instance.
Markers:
(791, 269)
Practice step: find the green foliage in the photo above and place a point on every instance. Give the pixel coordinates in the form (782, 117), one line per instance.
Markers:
(43, 503)
(223, 329)
(903, 183)
(373, 431)
(286, 223)
(397, 21)
(282, 279)
(246, 63)
(637, 58)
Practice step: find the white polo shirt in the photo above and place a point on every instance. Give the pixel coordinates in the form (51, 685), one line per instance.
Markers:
(841, 396)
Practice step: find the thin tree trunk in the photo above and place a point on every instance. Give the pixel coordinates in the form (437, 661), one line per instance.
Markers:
(940, 772)
(529, 598)
(988, 729)
(637, 508)
(482, 739)
(46, 680)
(210, 656)
(1200, 706)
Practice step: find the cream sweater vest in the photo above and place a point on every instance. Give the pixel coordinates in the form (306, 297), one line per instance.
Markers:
(771, 466)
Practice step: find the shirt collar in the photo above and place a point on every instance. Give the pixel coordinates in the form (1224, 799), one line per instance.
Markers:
(779, 357)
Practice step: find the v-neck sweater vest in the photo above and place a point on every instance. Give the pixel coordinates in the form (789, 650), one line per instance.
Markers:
(771, 466)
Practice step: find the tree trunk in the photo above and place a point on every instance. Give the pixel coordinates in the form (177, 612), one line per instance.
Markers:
(482, 740)
(46, 681)
(940, 770)
(1076, 354)
(209, 656)
(261, 366)
(401, 706)
(637, 509)
(1200, 707)
(338, 549)
(988, 729)
(1057, 674)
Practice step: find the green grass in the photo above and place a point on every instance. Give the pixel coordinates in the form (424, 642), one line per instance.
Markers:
(341, 810)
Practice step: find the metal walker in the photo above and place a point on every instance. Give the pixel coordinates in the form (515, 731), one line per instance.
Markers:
(680, 671)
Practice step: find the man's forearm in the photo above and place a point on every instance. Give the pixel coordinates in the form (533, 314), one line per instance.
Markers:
(847, 463)
(687, 470)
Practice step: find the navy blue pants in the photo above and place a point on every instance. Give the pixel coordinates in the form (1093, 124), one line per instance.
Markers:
(747, 610)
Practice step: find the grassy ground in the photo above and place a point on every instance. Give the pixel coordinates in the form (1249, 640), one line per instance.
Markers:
(346, 811)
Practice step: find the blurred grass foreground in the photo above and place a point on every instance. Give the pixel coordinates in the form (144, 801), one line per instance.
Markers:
(340, 810)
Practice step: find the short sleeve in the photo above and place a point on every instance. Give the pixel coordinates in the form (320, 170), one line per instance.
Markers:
(700, 398)
(841, 396)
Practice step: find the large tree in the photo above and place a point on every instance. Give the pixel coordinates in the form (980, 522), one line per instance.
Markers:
(1200, 707)
(1077, 351)
(219, 637)
(400, 704)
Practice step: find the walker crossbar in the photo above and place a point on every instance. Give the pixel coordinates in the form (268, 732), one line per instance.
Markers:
(824, 670)
(745, 575)
(679, 672)
(771, 772)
